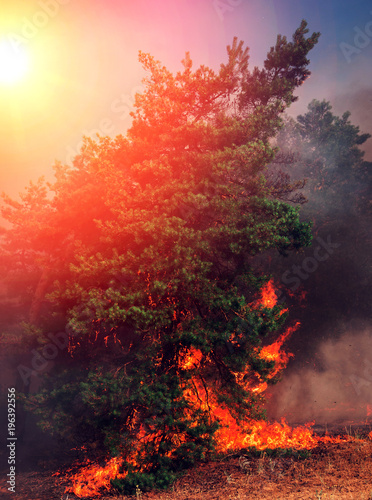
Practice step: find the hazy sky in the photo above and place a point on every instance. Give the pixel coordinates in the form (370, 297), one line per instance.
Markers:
(84, 67)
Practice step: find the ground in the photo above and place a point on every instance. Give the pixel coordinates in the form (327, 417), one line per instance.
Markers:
(332, 471)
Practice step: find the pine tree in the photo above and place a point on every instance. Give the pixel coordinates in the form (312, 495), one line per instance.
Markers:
(144, 249)
(325, 149)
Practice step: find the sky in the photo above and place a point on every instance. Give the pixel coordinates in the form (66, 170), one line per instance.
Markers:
(83, 68)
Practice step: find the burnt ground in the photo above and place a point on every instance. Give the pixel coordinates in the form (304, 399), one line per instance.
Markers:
(332, 471)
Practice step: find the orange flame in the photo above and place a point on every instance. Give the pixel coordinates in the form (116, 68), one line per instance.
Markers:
(279, 435)
(268, 295)
(192, 359)
(268, 298)
(92, 479)
(273, 351)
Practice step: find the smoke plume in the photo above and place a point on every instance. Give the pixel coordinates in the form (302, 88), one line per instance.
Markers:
(337, 388)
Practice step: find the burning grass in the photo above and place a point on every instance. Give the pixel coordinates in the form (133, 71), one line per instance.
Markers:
(330, 471)
(275, 455)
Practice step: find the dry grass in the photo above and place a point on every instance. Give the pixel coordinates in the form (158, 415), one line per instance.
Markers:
(332, 472)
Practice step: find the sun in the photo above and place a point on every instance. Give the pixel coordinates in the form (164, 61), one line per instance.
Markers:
(14, 63)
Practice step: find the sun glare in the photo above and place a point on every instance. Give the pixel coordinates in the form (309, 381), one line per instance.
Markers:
(14, 63)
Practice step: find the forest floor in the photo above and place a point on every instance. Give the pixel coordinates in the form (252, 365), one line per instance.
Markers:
(340, 471)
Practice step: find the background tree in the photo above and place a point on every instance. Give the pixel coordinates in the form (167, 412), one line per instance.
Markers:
(326, 150)
(143, 250)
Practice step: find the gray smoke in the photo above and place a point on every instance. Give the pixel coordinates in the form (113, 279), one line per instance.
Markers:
(338, 389)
